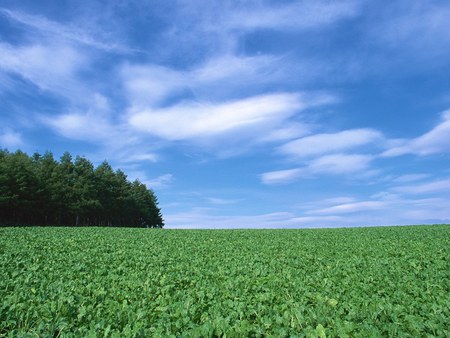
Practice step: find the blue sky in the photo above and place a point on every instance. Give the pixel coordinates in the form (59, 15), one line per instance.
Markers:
(242, 113)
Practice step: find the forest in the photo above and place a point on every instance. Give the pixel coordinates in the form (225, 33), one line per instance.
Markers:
(40, 190)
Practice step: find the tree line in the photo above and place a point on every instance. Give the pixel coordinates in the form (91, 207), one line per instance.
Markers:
(39, 190)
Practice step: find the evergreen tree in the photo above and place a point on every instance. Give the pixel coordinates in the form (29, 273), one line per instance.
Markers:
(39, 190)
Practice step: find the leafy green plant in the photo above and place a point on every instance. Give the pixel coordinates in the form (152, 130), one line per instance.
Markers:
(116, 282)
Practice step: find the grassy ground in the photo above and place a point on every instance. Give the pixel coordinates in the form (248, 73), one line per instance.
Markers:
(384, 281)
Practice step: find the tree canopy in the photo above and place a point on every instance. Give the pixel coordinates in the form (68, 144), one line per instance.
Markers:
(39, 190)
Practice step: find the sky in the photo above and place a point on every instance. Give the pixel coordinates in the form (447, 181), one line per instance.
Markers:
(241, 114)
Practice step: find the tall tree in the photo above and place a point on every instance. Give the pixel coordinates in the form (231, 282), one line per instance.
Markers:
(85, 201)
(45, 168)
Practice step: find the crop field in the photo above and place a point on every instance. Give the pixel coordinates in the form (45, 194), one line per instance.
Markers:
(117, 282)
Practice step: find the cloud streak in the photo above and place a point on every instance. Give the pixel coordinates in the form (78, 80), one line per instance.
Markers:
(300, 15)
(281, 176)
(160, 182)
(348, 208)
(334, 164)
(436, 141)
(201, 218)
(320, 144)
(65, 32)
(425, 188)
(49, 67)
(189, 121)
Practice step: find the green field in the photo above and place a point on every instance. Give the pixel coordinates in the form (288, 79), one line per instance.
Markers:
(366, 282)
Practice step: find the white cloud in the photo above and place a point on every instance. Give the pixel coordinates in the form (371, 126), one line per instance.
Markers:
(385, 196)
(286, 132)
(10, 139)
(159, 182)
(90, 125)
(383, 208)
(331, 143)
(327, 153)
(410, 178)
(281, 176)
(395, 211)
(339, 200)
(217, 27)
(347, 208)
(436, 141)
(49, 67)
(151, 84)
(220, 201)
(189, 121)
(446, 115)
(139, 157)
(66, 32)
(335, 164)
(217, 104)
(202, 218)
(229, 66)
(77, 126)
(293, 16)
(340, 164)
(425, 188)
(117, 141)
(216, 78)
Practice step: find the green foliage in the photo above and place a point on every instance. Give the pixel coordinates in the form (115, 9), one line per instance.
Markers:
(360, 282)
(38, 190)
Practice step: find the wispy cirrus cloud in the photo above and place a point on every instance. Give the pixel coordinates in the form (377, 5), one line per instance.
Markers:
(340, 164)
(384, 208)
(221, 201)
(96, 124)
(195, 120)
(203, 218)
(298, 15)
(281, 176)
(432, 187)
(214, 79)
(151, 84)
(328, 154)
(333, 164)
(159, 182)
(436, 141)
(217, 27)
(407, 178)
(320, 144)
(139, 157)
(251, 15)
(338, 212)
(220, 97)
(65, 32)
(336, 153)
(348, 208)
(78, 124)
(49, 67)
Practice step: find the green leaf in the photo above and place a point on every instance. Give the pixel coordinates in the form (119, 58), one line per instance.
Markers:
(320, 331)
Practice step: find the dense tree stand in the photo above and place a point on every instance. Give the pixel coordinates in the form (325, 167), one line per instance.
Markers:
(39, 190)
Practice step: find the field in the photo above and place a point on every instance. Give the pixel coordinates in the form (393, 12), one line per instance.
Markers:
(116, 282)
